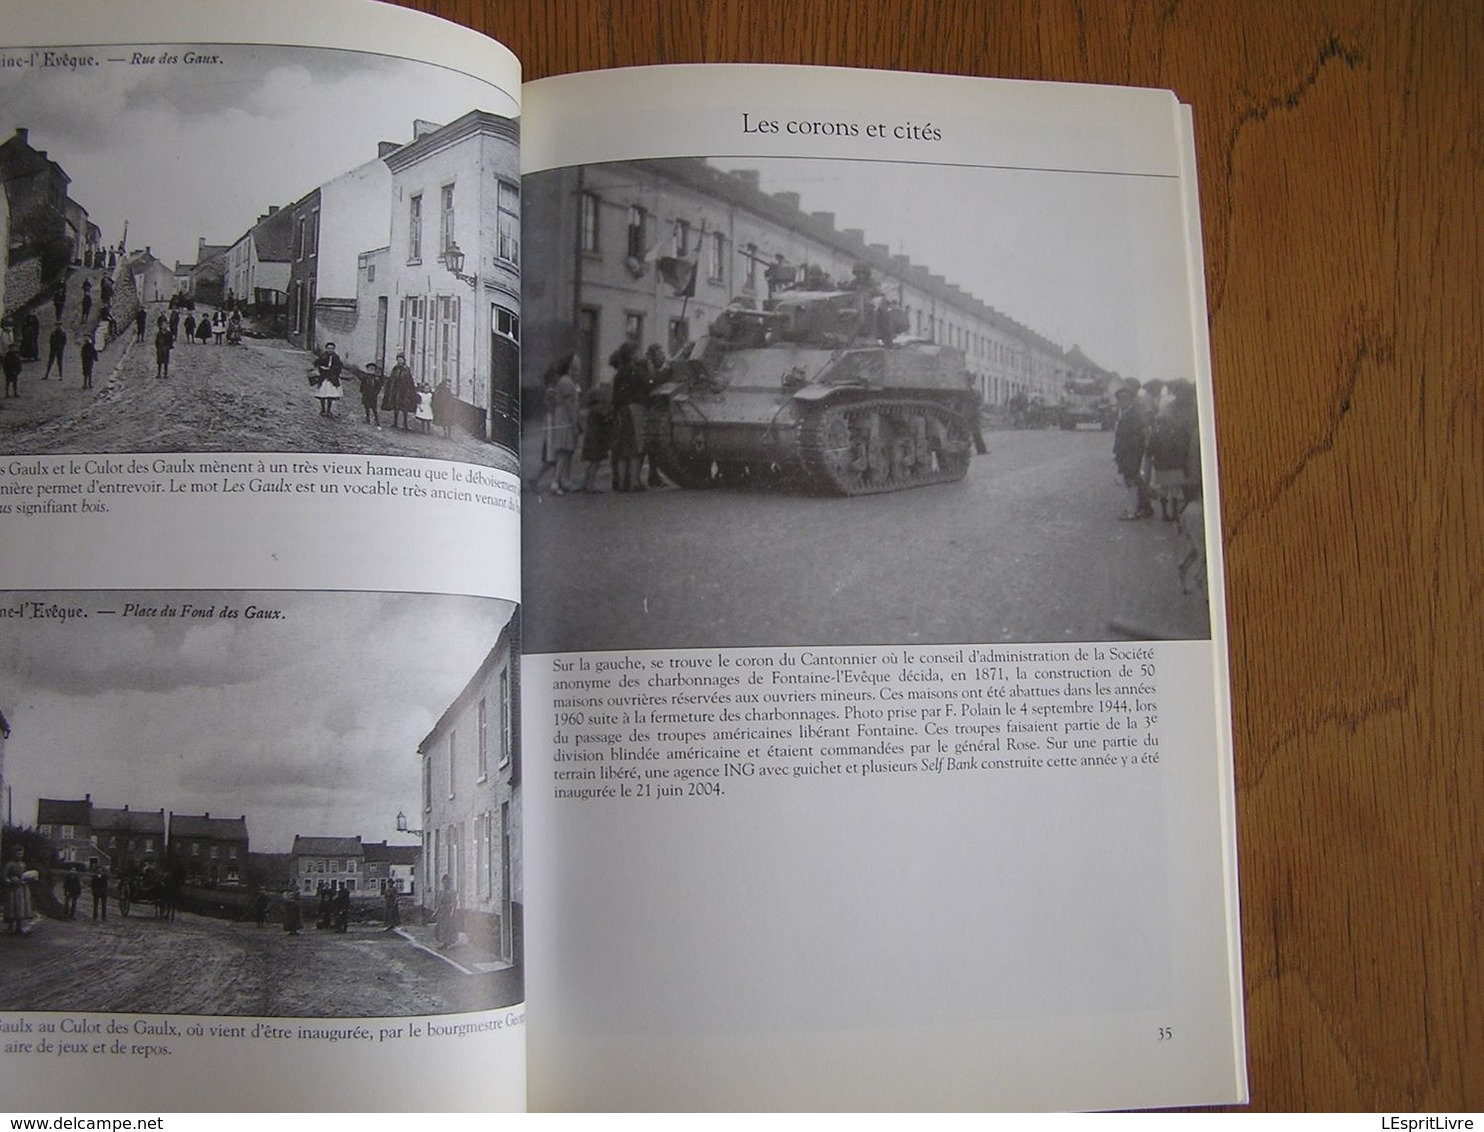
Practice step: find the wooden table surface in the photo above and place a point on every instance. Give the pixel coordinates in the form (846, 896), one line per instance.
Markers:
(1340, 145)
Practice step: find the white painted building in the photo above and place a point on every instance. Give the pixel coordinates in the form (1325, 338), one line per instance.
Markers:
(453, 265)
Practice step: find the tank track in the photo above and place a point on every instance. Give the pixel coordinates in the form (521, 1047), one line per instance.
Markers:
(881, 444)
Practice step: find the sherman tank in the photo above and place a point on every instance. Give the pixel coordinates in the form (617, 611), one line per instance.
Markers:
(818, 391)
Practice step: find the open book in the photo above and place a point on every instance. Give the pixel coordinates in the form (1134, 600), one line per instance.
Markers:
(672, 588)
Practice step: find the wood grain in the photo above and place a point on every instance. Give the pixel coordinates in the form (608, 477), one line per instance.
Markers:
(1340, 149)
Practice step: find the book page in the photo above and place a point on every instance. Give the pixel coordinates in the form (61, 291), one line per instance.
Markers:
(259, 512)
(876, 684)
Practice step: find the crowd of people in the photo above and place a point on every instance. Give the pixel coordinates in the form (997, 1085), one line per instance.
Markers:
(1156, 447)
(90, 325)
(608, 423)
(221, 327)
(397, 393)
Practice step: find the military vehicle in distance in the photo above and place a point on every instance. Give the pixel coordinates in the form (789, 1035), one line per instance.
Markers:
(816, 391)
(1086, 400)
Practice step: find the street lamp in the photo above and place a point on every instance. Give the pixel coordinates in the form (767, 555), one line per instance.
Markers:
(402, 826)
(453, 259)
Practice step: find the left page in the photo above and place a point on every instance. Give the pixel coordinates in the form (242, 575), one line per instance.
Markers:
(259, 512)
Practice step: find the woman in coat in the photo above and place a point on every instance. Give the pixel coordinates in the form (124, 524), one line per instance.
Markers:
(14, 878)
(400, 396)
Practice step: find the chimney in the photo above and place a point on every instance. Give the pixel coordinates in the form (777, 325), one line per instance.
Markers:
(22, 134)
(856, 235)
(421, 127)
(749, 177)
(788, 200)
(272, 208)
(825, 218)
(385, 148)
(901, 262)
(882, 248)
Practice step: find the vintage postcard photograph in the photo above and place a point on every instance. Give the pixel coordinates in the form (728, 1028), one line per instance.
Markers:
(255, 248)
(264, 804)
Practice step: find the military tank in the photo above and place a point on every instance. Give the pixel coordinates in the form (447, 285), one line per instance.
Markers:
(818, 391)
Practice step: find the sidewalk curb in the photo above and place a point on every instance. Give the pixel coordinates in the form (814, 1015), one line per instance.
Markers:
(434, 953)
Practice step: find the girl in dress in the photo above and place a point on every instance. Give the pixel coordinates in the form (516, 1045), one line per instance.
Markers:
(327, 369)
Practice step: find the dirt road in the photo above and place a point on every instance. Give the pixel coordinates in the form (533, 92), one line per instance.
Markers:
(203, 966)
(252, 397)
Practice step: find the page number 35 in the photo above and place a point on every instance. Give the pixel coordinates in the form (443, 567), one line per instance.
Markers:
(1165, 1034)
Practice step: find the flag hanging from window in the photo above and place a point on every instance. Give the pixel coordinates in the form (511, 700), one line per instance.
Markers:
(679, 274)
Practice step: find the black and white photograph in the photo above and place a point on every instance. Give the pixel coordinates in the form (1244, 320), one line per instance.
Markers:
(260, 804)
(808, 401)
(256, 248)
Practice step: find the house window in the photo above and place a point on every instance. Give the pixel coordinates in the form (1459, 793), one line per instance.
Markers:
(453, 748)
(637, 222)
(589, 223)
(633, 327)
(505, 735)
(478, 855)
(749, 277)
(446, 342)
(508, 220)
(67, 832)
(679, 334)
(717, 272)
(489, 848)
(484, 765)
(427, 783)
(680, 238)
(415, 230)
(445, 220)
(414, 332)
(299, 242)
(507, 324)
(587, 339)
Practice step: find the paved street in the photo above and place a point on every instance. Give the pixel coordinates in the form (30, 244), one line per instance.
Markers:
(248, 398)
(198, 965)
(1028, 548)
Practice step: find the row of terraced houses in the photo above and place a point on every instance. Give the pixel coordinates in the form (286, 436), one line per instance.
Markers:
(213, 851)
(662, 246)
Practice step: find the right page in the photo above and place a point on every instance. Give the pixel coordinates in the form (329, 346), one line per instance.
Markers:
(875, 693)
